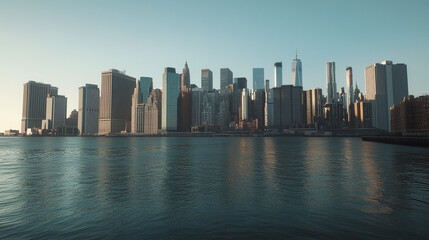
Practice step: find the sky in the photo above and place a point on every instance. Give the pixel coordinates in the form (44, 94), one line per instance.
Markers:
(69, 43)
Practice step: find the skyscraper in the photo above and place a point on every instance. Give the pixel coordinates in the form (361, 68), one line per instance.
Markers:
(258, 78)
(350, 93)
(278, 75)
(297, 71)
(34, 104)
(137, 110)
(153, 112)
(387, 85)
(331, 85)
(314, 106)
(185, 101)
(89, 109)
(115, 102)
(56, 112)
(197, 97)
(146, 86)
(287, 106)
(206, 80)
(241, 82)
(269, 104)
(226, 78)
(244, 104)
(170, 95)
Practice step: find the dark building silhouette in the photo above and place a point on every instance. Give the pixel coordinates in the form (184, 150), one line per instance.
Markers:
(411, 115)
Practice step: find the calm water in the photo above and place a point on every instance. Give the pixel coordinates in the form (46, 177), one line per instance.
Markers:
(199, 188)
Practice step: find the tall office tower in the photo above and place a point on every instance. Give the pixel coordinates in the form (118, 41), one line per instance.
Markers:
(206, 80)
(314, 106)
(185, 101)
(226, 78)
(387, 85)
(185, 80)
(209, 108)
(170, 95)
(34, 104)
(278, 75)
(89, 109)
(241, 82)
(297, 71)
(258, 78)
(146, 86)
(197, 98)
(356, 93)
(269, 107)
(223, 113)
(244, 114)
(152, 112)
(137, 110)
(331, 85)
(258, 97)
(115, 102)
(350, 93)
(287, 106)
(56, 112)
(342, 97)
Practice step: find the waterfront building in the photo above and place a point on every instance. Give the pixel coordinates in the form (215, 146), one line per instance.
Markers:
(287, 107)
(206, 80)
(185, 78)
(170, 95)
(209, 108)
(153, 112)
(241, 82)
(34, 104)
(223, 114)
(226, 78)
(349, 85)
(197, 97)
(334, 115)
(244, 104)
(258, 110)
(269, 107)
(258, 78)
(185, 101)
(146, 86)
(137, 110)
(56, 112)
(297, 71)
(115, 102)
(411, 116)
(89, 109)
(360, 114)
(331, 85)
(278, 74)
(314, 105)
(387, 84)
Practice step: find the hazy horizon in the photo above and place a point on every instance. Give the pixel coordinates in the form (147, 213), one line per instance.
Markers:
(69, 44)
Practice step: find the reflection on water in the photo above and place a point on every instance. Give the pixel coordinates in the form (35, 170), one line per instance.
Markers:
(211, 187)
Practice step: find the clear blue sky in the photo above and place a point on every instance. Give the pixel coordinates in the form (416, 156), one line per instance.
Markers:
(69, 43)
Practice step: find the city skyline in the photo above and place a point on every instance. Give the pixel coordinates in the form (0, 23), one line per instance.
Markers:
(68, 53)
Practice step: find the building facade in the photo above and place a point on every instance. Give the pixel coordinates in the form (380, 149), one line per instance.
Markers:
(88, 109)
(56, 112)
(206, 80)
(34, 104)
(331, 85)
(297, 72)
(258, 78)
(278, 74)
(146, 86)
(349, 85)
(153, 112)
(411, 116)
(226, 78)
(170, 95)
(115, 102)
(287, 107)
(386, 84)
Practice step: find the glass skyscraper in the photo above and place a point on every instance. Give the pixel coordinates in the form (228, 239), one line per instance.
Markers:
(226, 78)
(170, 93)
(297, 72)
(146, 86)
(331, 85)
(258, 78)
(206, 80)
(278, 76)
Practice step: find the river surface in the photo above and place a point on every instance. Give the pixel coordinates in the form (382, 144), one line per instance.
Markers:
(211, 188)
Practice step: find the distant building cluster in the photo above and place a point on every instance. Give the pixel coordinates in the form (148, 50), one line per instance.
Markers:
(126, 105)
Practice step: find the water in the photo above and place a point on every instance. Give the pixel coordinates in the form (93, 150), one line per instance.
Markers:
(199, 188)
